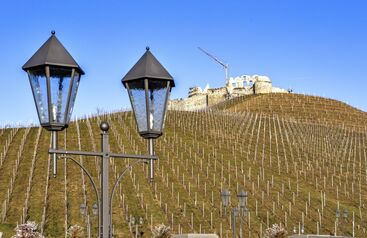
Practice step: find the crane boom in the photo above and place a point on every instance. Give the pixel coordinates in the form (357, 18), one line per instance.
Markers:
(225, 66)
(214, 58)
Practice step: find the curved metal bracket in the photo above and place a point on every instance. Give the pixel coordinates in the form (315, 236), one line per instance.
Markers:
(93, 184)
(118, 181)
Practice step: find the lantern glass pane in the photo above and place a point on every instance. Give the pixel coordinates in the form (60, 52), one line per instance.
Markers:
(95, 209)
(157, 92)
(138, 102)
(82, 208)
(38, 82)
(74, 90)
(242, 201)
(225, 200)
(60, 79)
(242, 198)
(225, 197)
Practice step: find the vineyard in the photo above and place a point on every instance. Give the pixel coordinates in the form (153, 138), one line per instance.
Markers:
(299, 158)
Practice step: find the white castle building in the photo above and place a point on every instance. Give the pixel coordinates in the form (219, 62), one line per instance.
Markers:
(243, 85)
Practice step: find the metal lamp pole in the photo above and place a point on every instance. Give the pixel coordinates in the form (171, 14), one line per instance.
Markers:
(151, 162)
(234, 215)
(237, 211)
(134, 223)
(337, 214)
(104, 197)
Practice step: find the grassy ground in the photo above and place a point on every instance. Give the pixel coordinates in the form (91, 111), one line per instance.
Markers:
(299, 158)
(7, 229)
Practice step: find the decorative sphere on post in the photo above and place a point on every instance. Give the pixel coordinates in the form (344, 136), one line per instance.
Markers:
(104, 126)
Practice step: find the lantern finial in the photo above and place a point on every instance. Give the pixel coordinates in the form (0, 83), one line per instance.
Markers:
(147, 48)
(53, 32)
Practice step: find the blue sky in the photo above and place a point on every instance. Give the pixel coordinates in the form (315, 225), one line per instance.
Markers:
(316, 47)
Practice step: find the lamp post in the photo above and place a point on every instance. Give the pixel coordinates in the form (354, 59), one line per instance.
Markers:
(225, 196)
(337, 215)
(83, 211)
(54, 77)
(240, 210)
(136, 222)
(301, 229)
(242, 201)
(95, 209)
(149, 84)
(345, 216)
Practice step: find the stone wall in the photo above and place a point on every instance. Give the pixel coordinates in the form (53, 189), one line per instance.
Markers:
(188, 104)
(198, 102)
(199, 99)
(263, 87)
(247, 90)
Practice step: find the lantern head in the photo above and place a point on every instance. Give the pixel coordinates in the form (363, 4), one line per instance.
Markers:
(149, 85)
(54, 77)
(225, 195)
(242, 195)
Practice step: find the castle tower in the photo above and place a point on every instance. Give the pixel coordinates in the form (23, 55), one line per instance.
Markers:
(262, 84)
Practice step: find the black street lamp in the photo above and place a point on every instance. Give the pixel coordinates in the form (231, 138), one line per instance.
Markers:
(136, 222)
(149, 85)
(242, 196)
(238, 211)
(337, 215)
(83, 209)
(95, 209)
(54, 77)
(345, 214)
(225, 195)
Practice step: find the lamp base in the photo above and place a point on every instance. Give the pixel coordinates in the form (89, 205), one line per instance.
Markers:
(54, 126)
(150, 134)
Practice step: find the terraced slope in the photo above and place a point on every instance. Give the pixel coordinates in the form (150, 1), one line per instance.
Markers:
(296, 171)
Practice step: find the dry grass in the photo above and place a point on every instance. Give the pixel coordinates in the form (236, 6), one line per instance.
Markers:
(297, 167)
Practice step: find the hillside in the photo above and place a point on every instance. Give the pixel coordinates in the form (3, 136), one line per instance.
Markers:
(299, 107)
(296, 167)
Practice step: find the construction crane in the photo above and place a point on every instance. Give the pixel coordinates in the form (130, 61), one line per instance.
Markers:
(225, 66)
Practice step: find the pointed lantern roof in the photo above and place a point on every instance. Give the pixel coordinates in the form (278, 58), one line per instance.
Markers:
(148, 67)
(52, 53)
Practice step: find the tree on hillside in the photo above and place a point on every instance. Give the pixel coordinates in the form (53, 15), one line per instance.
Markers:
(162, 231)
(75, 231)
(27, 230)
(275, 232)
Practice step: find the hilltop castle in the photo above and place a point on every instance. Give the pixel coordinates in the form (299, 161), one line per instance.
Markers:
(243, 85)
